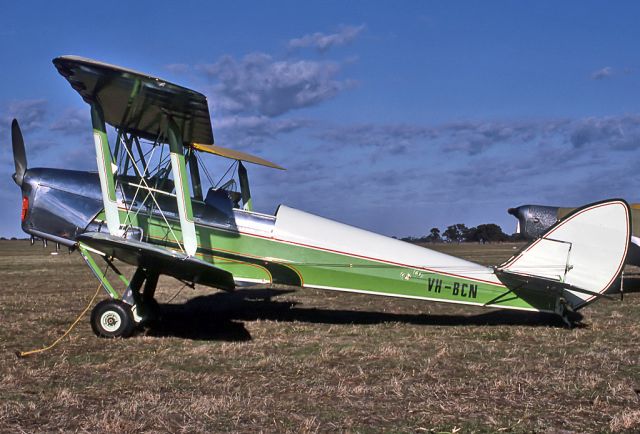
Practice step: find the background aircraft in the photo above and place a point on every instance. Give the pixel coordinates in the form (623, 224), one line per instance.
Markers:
(147, 206)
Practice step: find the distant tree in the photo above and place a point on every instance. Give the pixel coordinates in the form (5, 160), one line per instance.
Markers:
(456, 233)
(518, 236)
(489, 232)
(434, 236)
(13, 238)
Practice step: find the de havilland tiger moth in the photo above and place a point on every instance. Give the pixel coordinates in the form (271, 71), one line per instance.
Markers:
(146, 206)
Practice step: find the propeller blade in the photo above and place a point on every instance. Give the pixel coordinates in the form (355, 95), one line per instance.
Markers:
(19, 154)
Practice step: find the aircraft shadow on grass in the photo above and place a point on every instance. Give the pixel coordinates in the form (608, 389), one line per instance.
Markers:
(632, 283)
(221, 316)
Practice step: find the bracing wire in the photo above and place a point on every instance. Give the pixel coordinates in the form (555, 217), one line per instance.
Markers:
(146, 186)
(226, 173)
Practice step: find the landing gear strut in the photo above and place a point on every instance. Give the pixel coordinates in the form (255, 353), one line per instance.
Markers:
(144, 306)
(569, 316)
(118, 316)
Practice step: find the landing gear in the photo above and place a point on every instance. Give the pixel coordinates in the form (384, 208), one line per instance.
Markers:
(145, 307)
(112, 319)
(569, 316)
(121, 314)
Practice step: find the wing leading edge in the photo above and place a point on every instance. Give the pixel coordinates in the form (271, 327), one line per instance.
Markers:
(159, 259)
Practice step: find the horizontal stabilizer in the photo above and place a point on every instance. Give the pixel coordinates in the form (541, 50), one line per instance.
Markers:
(581, 256)
(519, 281)
(159, 259)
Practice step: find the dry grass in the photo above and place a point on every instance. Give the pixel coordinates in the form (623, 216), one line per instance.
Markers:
(308, 361)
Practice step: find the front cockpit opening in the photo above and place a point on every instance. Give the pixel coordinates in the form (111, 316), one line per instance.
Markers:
(234, 181)
(234, 184)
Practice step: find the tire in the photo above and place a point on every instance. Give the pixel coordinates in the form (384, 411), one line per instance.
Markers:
(112, 319)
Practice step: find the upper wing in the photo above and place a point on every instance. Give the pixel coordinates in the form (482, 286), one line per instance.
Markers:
(136, 101)
(159, 259)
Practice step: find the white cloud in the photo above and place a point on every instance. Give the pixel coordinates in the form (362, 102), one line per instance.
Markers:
(603, 73)
(246, 131)
(611, 132)
(323, 42)
(259, 84)
(73, 122)
(617, 133)
(30, 113)
(177, 68)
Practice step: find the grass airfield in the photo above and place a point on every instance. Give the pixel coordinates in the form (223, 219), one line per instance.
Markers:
(285, 360)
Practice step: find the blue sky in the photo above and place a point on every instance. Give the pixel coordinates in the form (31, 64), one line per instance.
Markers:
(392, 116)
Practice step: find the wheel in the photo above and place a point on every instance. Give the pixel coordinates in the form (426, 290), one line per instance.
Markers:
(112, 319)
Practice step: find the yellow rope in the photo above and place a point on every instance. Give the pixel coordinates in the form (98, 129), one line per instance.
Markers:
(43, 349)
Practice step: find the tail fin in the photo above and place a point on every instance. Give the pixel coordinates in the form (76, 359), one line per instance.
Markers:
(582, 255)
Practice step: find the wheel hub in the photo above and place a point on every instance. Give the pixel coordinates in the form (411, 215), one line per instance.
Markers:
(110, 321)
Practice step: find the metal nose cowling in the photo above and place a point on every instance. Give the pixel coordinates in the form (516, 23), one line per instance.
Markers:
(19, 154)
(534, 220)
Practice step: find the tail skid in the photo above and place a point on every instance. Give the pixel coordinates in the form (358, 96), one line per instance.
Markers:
(580, 257)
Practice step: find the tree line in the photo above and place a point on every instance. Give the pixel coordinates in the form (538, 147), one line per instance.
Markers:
(459, 232)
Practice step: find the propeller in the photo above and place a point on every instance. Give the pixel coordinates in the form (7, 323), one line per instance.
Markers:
(19, 154)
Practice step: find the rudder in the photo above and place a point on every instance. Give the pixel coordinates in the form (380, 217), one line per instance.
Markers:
(584, 252)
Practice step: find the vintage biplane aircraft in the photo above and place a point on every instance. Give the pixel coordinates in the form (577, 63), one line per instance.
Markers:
(535, 220)
(146, 206)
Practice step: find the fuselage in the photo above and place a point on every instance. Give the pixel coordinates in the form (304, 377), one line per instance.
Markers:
(291, 247)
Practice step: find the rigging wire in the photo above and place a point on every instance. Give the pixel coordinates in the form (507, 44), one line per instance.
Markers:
(204, 168)
(176, 294)
(226, 173)
(143, 181)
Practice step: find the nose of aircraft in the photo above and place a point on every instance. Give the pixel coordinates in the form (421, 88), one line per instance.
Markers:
(534, 220)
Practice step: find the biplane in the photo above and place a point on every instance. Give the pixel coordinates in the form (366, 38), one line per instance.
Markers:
(149, 205)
